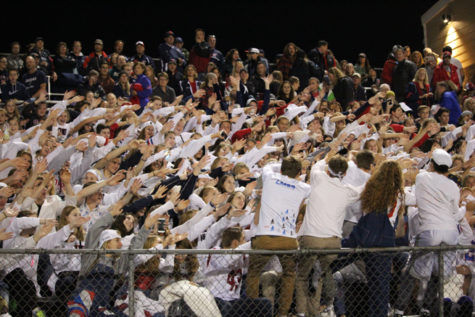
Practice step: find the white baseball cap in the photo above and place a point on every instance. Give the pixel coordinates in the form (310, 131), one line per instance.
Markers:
(441, 157)
(108, 235)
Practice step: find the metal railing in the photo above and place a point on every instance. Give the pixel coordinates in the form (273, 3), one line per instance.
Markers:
(358, 254)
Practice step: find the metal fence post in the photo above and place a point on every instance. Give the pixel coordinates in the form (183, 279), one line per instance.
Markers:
(131, 285)
(441, 283)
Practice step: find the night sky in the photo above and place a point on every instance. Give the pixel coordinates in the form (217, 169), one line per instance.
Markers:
(350, 27)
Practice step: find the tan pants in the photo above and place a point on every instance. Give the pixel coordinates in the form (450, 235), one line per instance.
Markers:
(305, 302)
(258, 261)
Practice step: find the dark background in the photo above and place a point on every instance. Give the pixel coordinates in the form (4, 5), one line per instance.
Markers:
(350, 27)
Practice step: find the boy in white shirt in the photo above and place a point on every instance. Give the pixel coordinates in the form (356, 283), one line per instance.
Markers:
(282, 195)
(322, 227)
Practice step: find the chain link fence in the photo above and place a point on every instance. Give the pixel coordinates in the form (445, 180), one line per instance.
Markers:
(410, 281)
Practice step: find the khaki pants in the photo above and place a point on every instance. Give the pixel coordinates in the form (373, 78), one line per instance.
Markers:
(258, 261)
(304, 267)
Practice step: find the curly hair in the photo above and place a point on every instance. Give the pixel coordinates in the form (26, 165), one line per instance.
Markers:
(383, 188)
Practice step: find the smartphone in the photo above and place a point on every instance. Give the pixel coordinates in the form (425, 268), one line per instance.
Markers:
(161, 226)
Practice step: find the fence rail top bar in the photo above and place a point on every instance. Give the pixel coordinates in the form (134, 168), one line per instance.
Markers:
(232, 251)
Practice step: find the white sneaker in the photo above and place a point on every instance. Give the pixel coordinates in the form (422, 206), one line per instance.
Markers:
(328, 312)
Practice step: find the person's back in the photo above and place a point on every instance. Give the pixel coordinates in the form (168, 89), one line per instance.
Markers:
(403, 74)
(327, 203)
(437, 199)
(280, 203)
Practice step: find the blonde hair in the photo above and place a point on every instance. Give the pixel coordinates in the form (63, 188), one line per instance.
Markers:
(416, 76)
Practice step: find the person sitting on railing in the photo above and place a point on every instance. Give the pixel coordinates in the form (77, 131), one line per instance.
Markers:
(437, 223)
(34, 79)
(14, 89)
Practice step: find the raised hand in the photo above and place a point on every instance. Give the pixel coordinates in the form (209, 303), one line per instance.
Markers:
(136, 185)
(221, 211)
(79, 221)
(174, 195)
(160, 193)
(11, 212)
(117, 178)
(19, 163)
(65, 176)
(236, 213)
(182, 204)
(44, 231)
(150, 221)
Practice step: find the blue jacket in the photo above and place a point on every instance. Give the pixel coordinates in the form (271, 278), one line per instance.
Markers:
(372, 230)
(167, 52)
(147, 89)
(17, 91)
(449, 101)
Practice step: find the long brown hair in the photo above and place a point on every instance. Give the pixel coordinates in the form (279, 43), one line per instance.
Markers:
(383, 188)
(63, 221)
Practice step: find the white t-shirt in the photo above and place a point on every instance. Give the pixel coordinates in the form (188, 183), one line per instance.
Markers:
(280, 203)
(355, 177)
(327, 204)
(437, 199)
(224, 273)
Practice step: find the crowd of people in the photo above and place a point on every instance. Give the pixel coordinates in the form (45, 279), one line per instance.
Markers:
(203, 150)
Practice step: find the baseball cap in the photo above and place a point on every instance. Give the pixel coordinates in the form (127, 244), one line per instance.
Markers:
(178, 39)
(39, 38)
(139, 43)
(356, 75)
(254, 50)
(172, 61)
(441, 157)
(466, 113)
(251, 99)
(98, 41)
(362, 55)
(168, 33)
(108, 235)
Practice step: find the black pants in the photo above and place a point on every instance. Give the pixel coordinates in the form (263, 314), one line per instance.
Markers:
(22, 290)
(65, 285)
